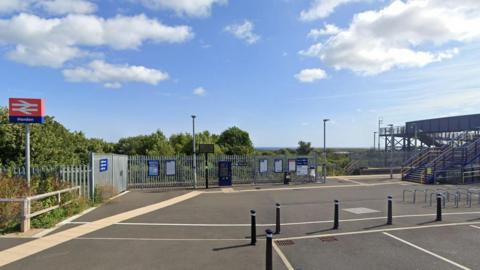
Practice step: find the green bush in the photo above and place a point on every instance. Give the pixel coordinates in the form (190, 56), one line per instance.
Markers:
(16, 188)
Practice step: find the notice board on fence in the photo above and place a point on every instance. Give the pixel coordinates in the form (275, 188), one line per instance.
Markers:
(278, 166)
(292, 165)
(153, 167)
(302, 166)
(263, 166)
(170, 167)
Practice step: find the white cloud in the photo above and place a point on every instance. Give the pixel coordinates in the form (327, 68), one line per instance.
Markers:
(311, 75)
(320, 9)
(52, 42)
(328, 30)
(193, 8)
(60, 7)
(399, 36)
(113, 76)
(199, 91)
(243, 31)
(8, 6)
(55, 7)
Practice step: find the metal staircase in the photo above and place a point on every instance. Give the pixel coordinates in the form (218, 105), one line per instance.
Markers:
(452, 160)
(413, 169)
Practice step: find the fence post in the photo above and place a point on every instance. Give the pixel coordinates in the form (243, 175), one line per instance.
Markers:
(91, 181)
(25, 226)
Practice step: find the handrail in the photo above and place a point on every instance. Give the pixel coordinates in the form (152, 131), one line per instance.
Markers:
(26, 214)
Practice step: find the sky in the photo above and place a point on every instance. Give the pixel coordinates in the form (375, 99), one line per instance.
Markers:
(274, 68)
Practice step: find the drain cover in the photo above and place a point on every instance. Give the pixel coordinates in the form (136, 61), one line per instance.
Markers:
(328, 239)
(285, 242)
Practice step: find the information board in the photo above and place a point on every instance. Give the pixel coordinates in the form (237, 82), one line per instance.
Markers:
(170, 167)
(302, 166)
(153, 167)
(263, 166)
(103, 165)
(292, 165)
(278, 165)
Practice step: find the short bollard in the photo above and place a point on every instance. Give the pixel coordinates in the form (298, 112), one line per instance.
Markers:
(254, 228)
(269, 235)
(389, 211)
(335, 218)
(277, 227)
(439, 207)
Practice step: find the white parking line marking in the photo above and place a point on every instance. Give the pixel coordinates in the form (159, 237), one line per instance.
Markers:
(379, 230)
(40, 244)
(351, 181)
(473, 226)
(271, 224)
(427, 251)
(282, 256)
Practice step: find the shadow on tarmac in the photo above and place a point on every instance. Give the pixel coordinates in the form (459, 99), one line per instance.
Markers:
(232, 247)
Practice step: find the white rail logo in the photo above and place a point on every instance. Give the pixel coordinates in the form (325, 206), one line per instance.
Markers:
(24, 107)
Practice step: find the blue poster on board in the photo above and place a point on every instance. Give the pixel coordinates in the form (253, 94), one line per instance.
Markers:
(153, 167)
(103, 165)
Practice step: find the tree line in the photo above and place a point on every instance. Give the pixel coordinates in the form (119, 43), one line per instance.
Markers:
(52, 144)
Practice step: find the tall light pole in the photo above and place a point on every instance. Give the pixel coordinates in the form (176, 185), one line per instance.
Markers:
(392, 142)
(380, 122)
(374, 140)
(324, 168)
(194, 154)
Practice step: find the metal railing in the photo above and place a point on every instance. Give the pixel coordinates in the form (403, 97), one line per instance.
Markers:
(177, 171)
(26, 202)
(75, 175)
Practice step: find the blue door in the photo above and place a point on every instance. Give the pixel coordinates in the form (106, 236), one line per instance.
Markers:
(224, 173)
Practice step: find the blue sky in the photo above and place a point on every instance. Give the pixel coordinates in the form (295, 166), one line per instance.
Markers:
(121, 68)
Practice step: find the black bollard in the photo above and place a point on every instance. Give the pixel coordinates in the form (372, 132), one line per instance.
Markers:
(268, 259)
(389, 211)
(254, 229)
(439, 207)
(277, 227)
(335, 219)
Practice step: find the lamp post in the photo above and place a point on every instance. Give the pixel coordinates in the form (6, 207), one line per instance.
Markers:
(392, 142)
(380, 122)
(374, 140)
(324, 169)
(194, 154)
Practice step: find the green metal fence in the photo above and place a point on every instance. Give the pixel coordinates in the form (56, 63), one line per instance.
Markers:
(178, 172)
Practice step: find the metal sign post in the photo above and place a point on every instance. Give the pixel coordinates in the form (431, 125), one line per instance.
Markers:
(26, 111)
(206, 149)
(27, 154)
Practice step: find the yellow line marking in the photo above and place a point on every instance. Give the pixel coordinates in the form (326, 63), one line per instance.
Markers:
(427, 251)
(227, 190)
(379, 230)
(282, 256)
(24, 250)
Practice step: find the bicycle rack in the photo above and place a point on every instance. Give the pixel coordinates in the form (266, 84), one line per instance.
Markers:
(413, 191)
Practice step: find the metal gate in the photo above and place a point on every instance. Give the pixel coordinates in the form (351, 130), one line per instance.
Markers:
(110, 173)
(177, 171)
